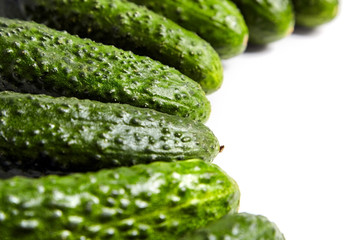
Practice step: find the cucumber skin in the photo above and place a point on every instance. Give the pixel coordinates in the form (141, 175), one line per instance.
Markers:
(157, 201)
(219, 22)
(67, 134)
(130, 27)
(239, 226)
(313, 13)
(267, 20)
(37, 59)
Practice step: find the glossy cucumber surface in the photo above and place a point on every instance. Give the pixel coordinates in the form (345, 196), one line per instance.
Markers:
(312, 13)
(130, 27)
(267, 20)
(217, 21)
(37, 59)
(157, 201)
(68, 134)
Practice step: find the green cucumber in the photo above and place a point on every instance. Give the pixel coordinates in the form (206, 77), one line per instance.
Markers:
(267, 20)
(37, 59)
(219, 22)
(158, 201)
(240, 226)
(312, 13)
(130, 27)
(69, 134)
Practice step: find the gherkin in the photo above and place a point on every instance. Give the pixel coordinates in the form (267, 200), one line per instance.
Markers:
(37, 59)
(313, 13)
(68, 134)
(219, 22)
(130, 27)
(267, 20)
(157, 201)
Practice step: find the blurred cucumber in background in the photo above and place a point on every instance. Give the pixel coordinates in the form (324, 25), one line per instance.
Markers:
(267, 20)
(217, 21)
(312, 13)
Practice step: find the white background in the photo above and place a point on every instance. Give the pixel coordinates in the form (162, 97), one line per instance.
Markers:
(289, 117)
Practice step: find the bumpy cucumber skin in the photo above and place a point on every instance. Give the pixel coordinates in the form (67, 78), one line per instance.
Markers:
(219, 22)
(130, 27)
(312, 13)
(158, 201)
(239, 226)
(80, 135)
(267, 20)
(37, 59)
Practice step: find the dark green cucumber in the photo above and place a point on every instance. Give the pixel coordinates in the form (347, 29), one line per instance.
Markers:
(72, 134)
(219, 22)
(312, 13)
(130, 27)
(240, 226)
(158, 201)
(267, 20)
(37, 59)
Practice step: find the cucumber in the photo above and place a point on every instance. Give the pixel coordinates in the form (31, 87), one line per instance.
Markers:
(158, 201)
(267, 20)
(312, 13)
(239, 226)
(37, 59)
(68, 134)
(130, 27)
(219, 22)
